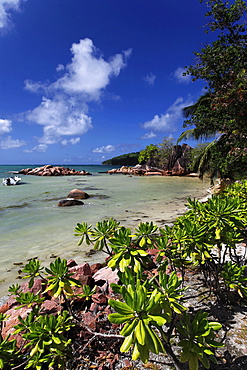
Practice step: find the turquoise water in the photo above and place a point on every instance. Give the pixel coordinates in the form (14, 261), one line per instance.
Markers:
(32, 225)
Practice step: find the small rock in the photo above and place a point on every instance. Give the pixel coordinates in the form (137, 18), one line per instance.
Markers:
(106, 274)
(70, 202)
(78, 194)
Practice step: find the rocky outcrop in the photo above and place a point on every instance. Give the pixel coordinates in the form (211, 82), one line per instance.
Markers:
(179, 160)
(49, 170)
(141, 170)
(177, 165)
(78, 194)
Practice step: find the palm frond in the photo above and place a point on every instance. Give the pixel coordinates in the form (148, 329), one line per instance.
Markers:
(204, 99)
(203, 163)
(186, 135)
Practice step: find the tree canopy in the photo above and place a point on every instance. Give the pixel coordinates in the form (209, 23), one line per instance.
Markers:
(222, 110)
(157, 155)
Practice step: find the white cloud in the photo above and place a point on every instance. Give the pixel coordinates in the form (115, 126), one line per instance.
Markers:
(87, 75)
(149, 135)
(64, 107)
(178, 74)
(105, 149)
(168, 120)
(60, 67)
(38, 148)
(35, 87)
(150, 78)
(72, 141)
(60, 118)
(9, 143)
(6, 7)
(5, 126)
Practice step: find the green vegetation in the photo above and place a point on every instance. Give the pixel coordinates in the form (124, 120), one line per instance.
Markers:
(150, 303)
(221, 112)
(157, 155)
(130, 159)
(152, 155)
(150, 308)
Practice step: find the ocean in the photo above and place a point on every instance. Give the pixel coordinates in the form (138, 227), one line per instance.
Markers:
(32, 225)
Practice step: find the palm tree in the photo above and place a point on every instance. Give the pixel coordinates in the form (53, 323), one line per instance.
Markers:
(203, 164)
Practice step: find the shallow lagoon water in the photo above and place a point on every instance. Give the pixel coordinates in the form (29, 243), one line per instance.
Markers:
(32, 225)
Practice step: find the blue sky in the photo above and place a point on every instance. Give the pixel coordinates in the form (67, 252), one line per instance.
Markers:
(82, 81)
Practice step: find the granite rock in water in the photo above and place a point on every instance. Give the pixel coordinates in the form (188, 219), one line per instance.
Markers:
(78, 194)
(49, 170)
(70, 202)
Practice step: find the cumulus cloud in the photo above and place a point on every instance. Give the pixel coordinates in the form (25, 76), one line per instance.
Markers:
(5, 126)
(87, 75)
(105, 149)
(72, 141)
(6, 9)
(178, 74)
(149, 78)
(60, 117)
(149, 135)
(9, 143)
(167, 121)
(64, 107)
(38, 148)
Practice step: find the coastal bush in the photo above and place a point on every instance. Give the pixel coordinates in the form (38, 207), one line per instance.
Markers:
(45, 336)
(45, 343)
(204, 238)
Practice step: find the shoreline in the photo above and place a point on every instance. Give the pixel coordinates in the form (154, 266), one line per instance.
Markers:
(158, 213)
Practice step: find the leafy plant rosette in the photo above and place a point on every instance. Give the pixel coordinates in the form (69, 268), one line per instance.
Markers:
(197, 339)
(234, 278)
(141, 316)
(45, 337)
(59, 279)
(127, 253)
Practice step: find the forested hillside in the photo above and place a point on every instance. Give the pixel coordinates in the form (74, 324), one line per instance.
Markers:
(130, 159)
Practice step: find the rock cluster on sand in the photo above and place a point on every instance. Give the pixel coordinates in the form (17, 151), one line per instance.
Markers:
(144, 170)
(49, 170)
(141, 170)
(177, 165)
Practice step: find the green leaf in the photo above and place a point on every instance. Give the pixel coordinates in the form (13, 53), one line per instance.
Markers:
(56, 339)
(118, 318)
(205, 361)
(142, 242)
(158, 319)
(129, 327)
(214, 325)
(135, 353)
(126, 343)
(193, 361)
(140, 332)
(120, 307)
(185, 355)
